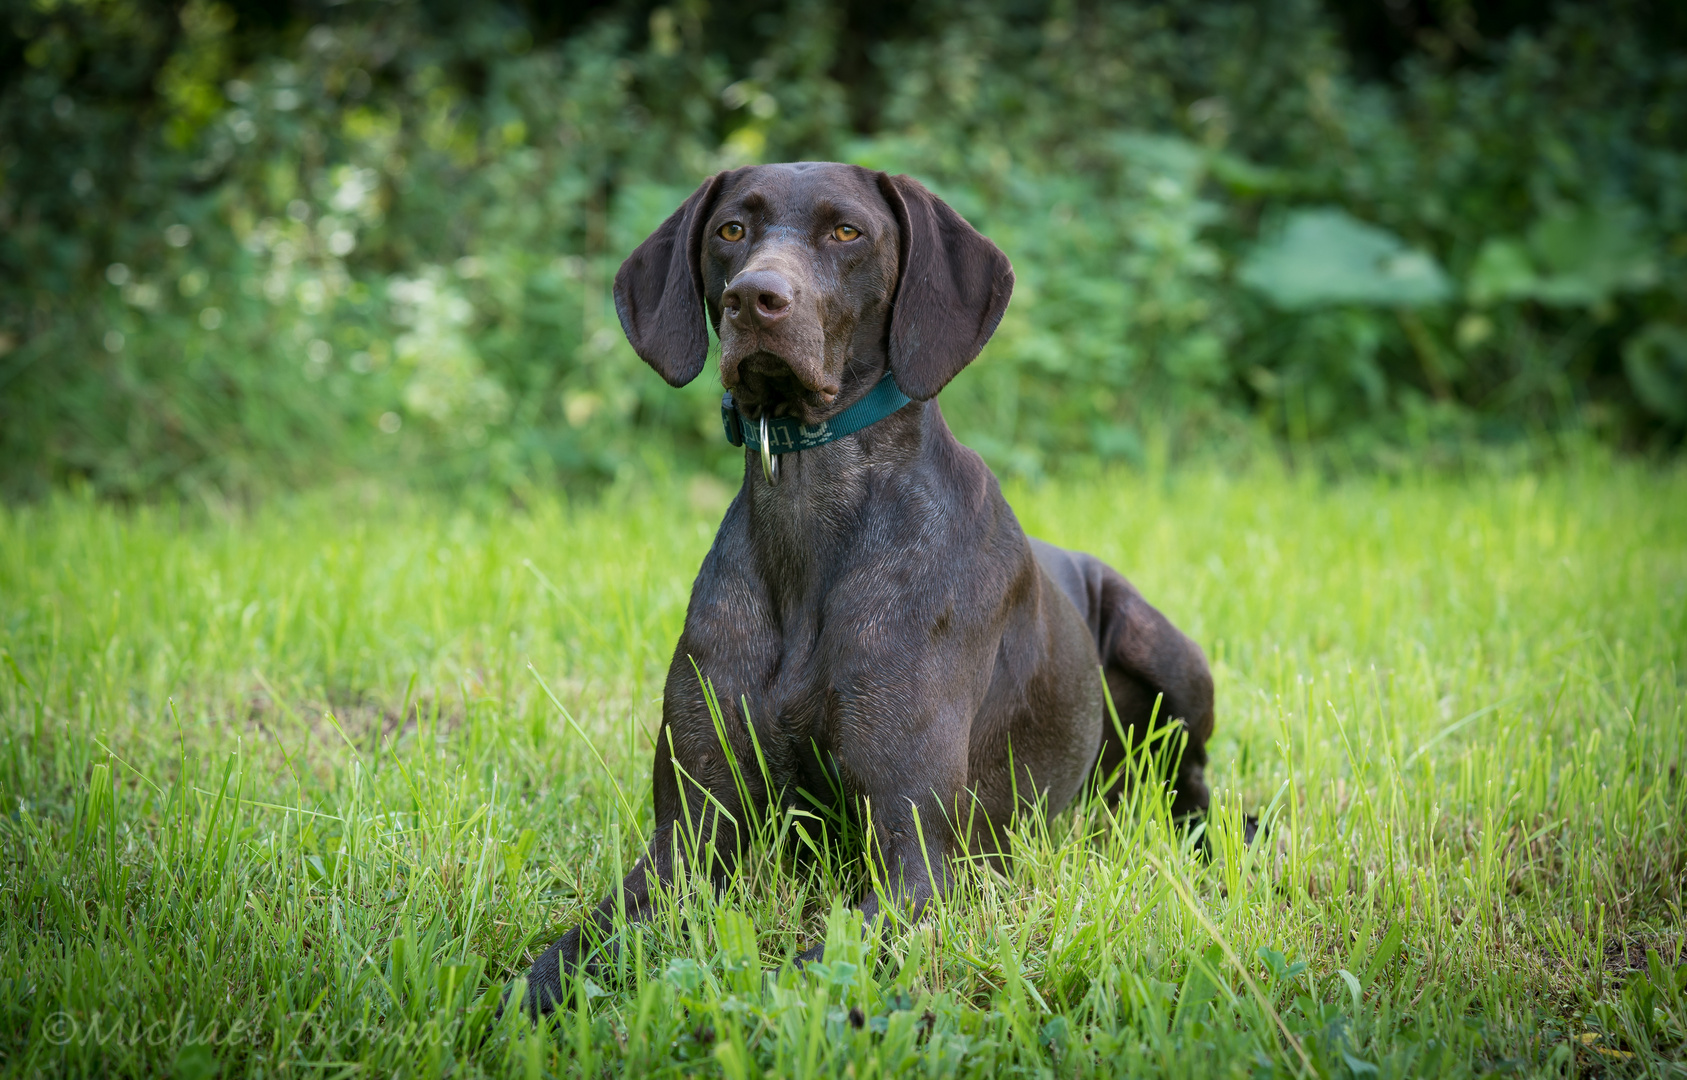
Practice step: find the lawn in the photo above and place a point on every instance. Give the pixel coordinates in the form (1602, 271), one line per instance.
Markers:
(298, 790)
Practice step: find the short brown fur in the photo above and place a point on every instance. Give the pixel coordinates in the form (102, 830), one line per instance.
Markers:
(891, 626)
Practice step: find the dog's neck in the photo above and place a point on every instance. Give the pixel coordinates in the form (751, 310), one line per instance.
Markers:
(819, 505)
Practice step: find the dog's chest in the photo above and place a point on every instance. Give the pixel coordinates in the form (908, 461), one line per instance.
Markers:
(826, 614)
(815, 658)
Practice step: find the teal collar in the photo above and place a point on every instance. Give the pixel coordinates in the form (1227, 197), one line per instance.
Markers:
(785, 435)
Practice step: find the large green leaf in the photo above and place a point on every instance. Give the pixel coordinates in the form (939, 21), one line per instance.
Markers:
(1325, 257)
(1577, 257)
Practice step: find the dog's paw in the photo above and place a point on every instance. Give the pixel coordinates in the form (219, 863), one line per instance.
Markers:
(548, 979)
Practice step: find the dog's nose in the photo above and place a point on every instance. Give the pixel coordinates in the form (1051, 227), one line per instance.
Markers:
(762, 296)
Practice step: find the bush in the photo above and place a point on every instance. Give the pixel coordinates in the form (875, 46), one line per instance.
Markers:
(237, 257)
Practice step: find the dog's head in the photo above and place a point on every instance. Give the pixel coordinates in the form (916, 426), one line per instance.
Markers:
(817, 278)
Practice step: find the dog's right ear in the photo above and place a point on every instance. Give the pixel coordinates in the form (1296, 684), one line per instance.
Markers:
(954, 287)
(659, 291)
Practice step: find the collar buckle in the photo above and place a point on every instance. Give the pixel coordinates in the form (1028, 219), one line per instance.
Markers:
(730, 419)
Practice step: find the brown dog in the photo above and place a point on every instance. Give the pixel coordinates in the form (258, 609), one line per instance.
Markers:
(896, 634)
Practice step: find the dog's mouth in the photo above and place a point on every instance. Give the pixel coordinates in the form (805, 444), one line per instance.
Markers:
(765, 385)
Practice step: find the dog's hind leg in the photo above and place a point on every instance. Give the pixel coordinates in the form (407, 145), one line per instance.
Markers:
(1145, 659)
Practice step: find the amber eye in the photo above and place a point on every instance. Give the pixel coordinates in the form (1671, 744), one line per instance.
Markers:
(731, 231)
(846, 233)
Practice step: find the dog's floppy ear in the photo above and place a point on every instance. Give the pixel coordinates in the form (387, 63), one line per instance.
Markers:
(954, 287)
(659, 291)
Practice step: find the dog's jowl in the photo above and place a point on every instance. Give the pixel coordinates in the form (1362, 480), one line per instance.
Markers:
(870, 594)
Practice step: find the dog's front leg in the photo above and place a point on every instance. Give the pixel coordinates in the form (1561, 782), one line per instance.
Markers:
(915, 863)
(910, 873)
(697, 826)
(911, 798)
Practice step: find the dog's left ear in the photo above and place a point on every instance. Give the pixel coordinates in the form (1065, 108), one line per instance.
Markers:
(659, 291)
(954, 286)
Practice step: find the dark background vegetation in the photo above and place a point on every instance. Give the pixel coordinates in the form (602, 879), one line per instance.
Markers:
(263, 244)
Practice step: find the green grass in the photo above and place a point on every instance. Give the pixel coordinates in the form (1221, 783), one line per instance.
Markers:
(290, 793)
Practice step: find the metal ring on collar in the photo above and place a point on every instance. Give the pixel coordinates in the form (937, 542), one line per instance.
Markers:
(769, 463)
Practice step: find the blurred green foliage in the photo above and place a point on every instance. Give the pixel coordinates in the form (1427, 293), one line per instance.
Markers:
(237, 253)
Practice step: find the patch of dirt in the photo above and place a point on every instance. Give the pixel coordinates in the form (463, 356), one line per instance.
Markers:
(1623, 957)
(362, 719)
